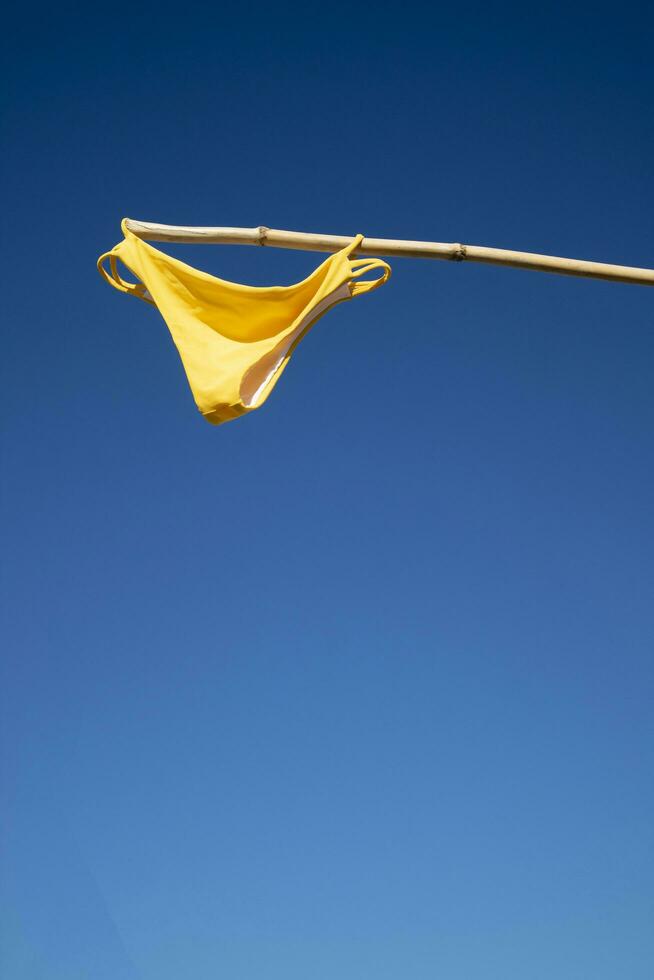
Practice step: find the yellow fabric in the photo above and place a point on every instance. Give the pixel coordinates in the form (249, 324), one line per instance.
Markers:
(234, 340)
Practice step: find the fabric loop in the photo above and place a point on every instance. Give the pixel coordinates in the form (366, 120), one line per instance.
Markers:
(115, 279)
(353, 246)
(359, 267)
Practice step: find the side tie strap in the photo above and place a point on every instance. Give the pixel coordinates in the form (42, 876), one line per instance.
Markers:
(363, 266)
(114, 279)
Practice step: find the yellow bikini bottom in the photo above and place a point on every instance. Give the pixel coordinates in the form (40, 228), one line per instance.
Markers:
(234, 340)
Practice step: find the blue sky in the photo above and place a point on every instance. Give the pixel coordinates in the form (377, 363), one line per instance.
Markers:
(359, 685)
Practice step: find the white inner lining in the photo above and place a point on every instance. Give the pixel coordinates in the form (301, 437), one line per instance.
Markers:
(270, 362)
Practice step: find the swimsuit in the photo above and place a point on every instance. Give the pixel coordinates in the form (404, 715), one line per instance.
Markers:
(234, 340)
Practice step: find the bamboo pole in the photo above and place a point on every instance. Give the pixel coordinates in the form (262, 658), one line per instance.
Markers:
(389, 247)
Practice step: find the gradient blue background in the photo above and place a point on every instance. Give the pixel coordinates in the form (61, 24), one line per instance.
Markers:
(359, 686)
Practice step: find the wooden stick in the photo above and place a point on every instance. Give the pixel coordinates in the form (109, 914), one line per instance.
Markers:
(453, 251)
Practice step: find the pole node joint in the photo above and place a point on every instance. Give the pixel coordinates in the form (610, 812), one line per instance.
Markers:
(263, 234)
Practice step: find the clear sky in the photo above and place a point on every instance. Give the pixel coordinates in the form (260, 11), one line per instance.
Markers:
(360, 685)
